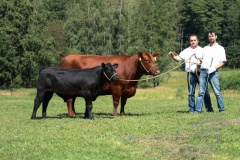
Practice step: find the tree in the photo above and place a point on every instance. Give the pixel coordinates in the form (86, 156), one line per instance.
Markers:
(198, 17)
(223, 16)
(231, 33)
(15, 20)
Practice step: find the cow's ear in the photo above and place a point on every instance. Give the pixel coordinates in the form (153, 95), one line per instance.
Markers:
(103, 65)
(156, 55)
(115, 65)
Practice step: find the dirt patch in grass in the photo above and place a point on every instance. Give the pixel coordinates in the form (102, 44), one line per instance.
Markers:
(18, 92)
(170, 147)
(5, 93)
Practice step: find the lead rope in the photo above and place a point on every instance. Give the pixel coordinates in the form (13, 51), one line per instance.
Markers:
(145, 79)
(163, 61)
(153, 65)
(109, 79)
(189, 73)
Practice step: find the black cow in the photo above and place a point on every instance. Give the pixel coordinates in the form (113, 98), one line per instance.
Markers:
(72, 83)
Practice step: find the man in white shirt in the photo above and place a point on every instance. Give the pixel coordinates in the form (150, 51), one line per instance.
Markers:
(191, 55)
(214, 58)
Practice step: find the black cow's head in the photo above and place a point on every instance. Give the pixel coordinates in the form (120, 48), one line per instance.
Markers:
(110, 72)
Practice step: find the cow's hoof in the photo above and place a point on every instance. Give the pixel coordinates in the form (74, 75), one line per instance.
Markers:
(33, 117)
(72, 116)
(122, 114)
(114, 114)
(91, 118)
(44, 115)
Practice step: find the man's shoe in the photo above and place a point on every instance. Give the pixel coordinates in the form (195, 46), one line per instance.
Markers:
(197, 112)
(221, 111)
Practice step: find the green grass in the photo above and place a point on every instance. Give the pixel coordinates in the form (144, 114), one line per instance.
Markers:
(156, 126)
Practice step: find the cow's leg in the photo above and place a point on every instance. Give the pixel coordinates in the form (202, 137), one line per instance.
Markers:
(73, 106)
(115, 104)
(123, 102)
(88, 110)
(46, 99)
(37, 102)
(70, 107)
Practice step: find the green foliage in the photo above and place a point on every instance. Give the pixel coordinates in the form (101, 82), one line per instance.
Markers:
(199, 17)
(15, 18)
(36, 33)
(231, 82)
(181, 91)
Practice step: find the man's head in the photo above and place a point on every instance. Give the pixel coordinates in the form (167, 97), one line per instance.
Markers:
(212, 36)
(193, 38)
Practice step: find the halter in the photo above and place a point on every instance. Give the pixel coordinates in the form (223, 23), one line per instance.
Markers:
(110, 77)
(140, 60)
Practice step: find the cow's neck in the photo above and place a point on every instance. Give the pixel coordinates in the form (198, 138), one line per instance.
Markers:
(103, 78)
(138, 68)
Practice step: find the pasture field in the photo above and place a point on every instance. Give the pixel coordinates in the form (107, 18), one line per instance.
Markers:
(156, 126)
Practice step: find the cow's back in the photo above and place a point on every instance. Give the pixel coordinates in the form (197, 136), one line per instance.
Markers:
(55, 78)
(77, 61)
(126, 68)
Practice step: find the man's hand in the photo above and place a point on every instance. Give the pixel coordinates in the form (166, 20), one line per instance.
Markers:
(170, 54)
(211, 70)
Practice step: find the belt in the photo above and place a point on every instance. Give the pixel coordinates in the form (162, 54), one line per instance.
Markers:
(204, 69)
(198, 72)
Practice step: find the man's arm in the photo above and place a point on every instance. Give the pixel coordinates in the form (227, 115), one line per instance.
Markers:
(220, 65)
(213, 69)
(175, 58)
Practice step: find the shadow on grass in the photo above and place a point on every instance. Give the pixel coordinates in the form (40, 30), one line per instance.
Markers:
(137, 114)
(182, 111)
(96, 115)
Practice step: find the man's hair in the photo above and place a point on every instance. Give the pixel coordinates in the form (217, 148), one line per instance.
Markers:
(211, 31)
(193, 35)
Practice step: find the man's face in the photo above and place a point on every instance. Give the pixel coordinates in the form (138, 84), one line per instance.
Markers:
(193, 41)
(212, 37)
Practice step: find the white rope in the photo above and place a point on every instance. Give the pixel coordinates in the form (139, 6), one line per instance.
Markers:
(154, 76)
(110, 77)
(145, 79)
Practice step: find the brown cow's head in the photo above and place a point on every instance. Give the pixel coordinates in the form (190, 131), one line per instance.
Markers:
(148, 62)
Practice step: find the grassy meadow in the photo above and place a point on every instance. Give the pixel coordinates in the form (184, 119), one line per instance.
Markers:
(156, 126)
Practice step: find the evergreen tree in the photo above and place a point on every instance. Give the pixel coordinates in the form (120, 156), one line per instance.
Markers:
(15, 20)
(223, 16)
(198, 17)
(231, 32)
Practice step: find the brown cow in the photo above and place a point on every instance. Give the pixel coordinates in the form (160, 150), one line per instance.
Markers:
(129, 68)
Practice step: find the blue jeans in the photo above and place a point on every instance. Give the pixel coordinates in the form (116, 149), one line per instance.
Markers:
(193, 80)
(213, 79)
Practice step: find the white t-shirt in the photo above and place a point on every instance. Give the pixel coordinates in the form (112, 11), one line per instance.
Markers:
(213, 55)
(191, 57)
